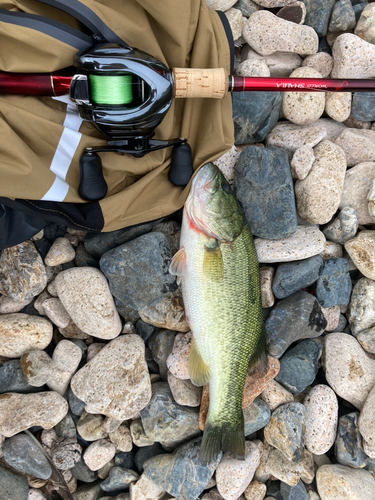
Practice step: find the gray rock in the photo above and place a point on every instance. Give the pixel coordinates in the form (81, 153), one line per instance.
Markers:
(144, 330)
(349, 445)
(246, 7)
(12, 378)
(293, 276)
(299, 366)
(161, 345)
(297, 492)
(83, 258)
(91, 491)
(334, 284)
(81, 472)
(343, 17)
(256, 416)
(66, 428)
(296, 317)
(125, 459)
(358, 8)
(145, 453)
(119, 479)
(318, 13)
(254, 115)
(264, 187)
(363, 106)
(138, 271)
(76, 405)
(23, 454)
(181, 474)
(13, 486)
(367, 339)
(344, 227)
(286, 430)
(167, 422)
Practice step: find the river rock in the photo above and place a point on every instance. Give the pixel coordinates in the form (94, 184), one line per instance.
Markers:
(90, 427)
(264, 187)
(166, 312)
(161, 345)
(119, 479)
(12, 378)
(20, 333)
(266, 34)
(181, 474)
(332, 250)
(253, 67)
(302, 162)
(293, 276)
(352, 57)
(262, 107)
(360, 250)
(275, 395)
(363, 106)
(167, 422)
(304, 108)
(81, 472)
(362, 310)
(279, 63)
(9, 305)
(318, 195)
(98, 454)
(366, 422)
(22, 272)
(85, 294)
(13, 486)
(60, 252)
(348, 369)
(236, 22)
(151, 253)
(338, 105)
(178, 359)
(291, 137)
(297, 492)
(334, 285)
(56, 312)
(365, 25)
(343, 17)
(348, 445)
(184, 392)
(296, 317)
(356, 187)
(286, 430)
(233, 476)
(23, 454)
(299, 366)
(321, 419)
(256, 416)
(321, 61)
(358, 145)
(266, 277)
(338, 482)
(139, 437)
(22, 411)
(318, 13)
(344, 227)
(116, 382)
(296, 12)
(145, 489)
(121, 438)
(367, 339)
(305, 242)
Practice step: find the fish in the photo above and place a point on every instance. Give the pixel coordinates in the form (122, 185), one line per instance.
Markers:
(218, 270)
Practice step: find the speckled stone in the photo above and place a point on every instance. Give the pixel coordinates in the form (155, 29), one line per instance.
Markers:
(339, 482)
(116, 382)
(294, 318)
(255, 491)
(22, 272)
(353, 57)
(348, 369)
(85, 294)
(253, 67)
(60, 252)
(56, 312)
(356, 187)
(358, 145)
(321, 61)
(366, 423)
(266, 34)
(332, 250)
(361, 251)
(362, 310)
(338, 105)
(334, 284)
(181, 474)
(233, 476)
(363, 106)
(304, 108)
(286, 430)
(321, 419)
(279, 63)
(276, 395)
(293, 276)
(178, 359)
(166, 312)
(305, 242)
(99, 453)
(302, 162)
(22, 411)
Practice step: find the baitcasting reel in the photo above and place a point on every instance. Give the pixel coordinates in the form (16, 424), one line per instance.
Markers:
(126, 93)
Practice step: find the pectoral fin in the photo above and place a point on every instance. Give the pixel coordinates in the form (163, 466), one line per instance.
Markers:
(213, 266)
(178, 264)
(199, 372)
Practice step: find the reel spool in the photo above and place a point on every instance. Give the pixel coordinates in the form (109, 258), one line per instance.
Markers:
(126, 93)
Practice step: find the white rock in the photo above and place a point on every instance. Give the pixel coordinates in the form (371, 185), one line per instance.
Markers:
(253, 67)
(184, 392)
(66, 357)
(338, 105)
(266, 277)
(366, 421)
(321, 419)
(9, 305)
(60, 252)
(361, 250)
(357, 184)
(267, 34)
(178, 360)
(56, 312)
(358, 145)
(302, 162)
(341, 482)
(321, 61)
(85, 294)
(98, 454)
(305, 242)
(236, 22)
(352, 57)
(365, 25)
(291, 137)
(279, 63)
(145, 489)
(331, 249)
(227, 162)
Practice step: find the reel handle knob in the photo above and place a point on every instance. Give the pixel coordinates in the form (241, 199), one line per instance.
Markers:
(181, 168)
(92, 186)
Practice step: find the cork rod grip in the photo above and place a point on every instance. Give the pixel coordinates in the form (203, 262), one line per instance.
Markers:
(192, 82)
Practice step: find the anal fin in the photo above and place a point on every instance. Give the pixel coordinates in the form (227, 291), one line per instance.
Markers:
(199, 372)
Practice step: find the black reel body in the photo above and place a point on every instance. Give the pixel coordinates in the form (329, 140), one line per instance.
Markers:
(128, 120)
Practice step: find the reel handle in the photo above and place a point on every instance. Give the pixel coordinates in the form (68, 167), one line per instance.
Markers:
(92, 186)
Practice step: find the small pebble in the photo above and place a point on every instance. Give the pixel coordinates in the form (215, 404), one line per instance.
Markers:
(353, 57)
(99, 453)
(119, 479)
(266, 277)
(255, 491)
(121, 438)
(291, 137)
(321, 61)
(362, 310)
(145, 489)
(138, 434)
(90, 427)
(66, 454)
(361, 251)
(56, 312)
(166, 312)
(60, 252)
(184, 392)
(178, 360)
(357, 184)
(348, 444)
(253, 67)
(276, 395)
(302, 162)
(279, 63)
(338, 105)
(344, 227)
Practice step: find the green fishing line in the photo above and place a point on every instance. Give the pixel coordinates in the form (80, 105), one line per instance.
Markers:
(111, 89)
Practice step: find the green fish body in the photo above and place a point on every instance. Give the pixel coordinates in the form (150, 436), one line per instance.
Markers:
(219, 273)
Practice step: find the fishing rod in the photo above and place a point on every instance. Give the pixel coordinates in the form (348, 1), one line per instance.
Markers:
(126, 93)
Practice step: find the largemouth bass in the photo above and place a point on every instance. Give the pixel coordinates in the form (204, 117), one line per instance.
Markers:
(219, 273)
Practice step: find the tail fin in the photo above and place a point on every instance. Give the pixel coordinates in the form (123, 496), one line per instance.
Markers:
(224, 437)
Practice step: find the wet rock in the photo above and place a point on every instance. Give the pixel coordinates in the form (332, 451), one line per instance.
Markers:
(264, 187)
(339, 481)
(20, 333)
(305, 242)
(293, 276)
(318, 195)
(22, 272)
(139, 437)
(60, 252)
(161, 345)
(348, 369)
(178, 360)
(145, 489)
(13, 486)
(256, 416)
(121, 438)
(321, 419)
(266, 34)
(167, 422)
(276, 395)
(263, 107)
(12, 378)
(137, 271)
(318, 14)
(344, 227)
(81, 472)
(362, 311)
(360, 250)
(181, 474)
(21, 411)
(184, 392)
(302, 162)
(334, 285)
(116, 381)
(85, 295)
(98, 454)
(286, 430)
(296, 317)
(166, 312)
(343, 17)
(119, 479)
(299, 366)
(23, 454)
(348, 445)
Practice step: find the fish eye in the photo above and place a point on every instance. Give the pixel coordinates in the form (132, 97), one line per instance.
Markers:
(225, 187)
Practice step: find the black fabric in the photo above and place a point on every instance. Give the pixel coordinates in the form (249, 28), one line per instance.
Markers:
(228, 32)
(16, 226)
